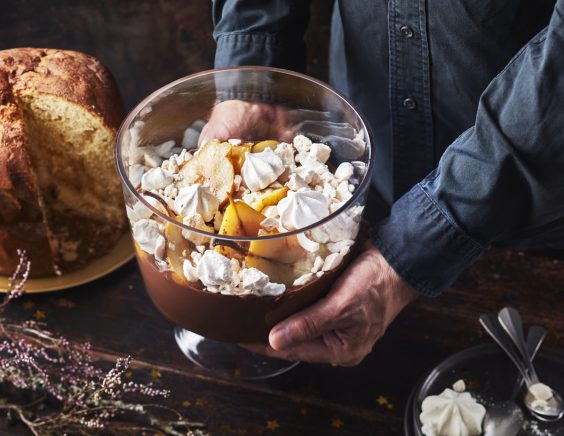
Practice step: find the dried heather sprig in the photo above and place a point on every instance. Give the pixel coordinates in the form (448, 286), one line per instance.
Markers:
(84, 399)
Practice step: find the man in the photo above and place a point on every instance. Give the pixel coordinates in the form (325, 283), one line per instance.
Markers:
(468, 118)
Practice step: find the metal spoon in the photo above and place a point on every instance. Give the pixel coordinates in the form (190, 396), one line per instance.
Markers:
(510, 320)
(506, 418)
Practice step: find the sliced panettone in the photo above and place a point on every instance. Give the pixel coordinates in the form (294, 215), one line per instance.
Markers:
(68, 108)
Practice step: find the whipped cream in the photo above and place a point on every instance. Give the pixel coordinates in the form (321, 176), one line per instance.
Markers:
(196, 199)
(261, 169)
(451, 413)
(302, 208)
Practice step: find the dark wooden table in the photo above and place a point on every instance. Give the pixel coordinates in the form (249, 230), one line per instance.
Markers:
(116, 316)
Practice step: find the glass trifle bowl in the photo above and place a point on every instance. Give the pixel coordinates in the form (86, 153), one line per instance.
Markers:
(245, 189)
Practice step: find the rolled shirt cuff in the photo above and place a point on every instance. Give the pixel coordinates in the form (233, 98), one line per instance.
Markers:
(425, 247)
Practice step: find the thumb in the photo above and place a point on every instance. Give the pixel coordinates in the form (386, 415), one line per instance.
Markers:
(306, 325)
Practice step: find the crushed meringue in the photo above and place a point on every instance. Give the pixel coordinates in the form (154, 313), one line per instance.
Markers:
(290, 184)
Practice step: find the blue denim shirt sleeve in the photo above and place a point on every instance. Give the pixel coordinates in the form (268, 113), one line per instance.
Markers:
(500, 177)
(260, 32)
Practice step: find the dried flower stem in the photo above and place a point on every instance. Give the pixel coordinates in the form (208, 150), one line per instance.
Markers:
(81, 399)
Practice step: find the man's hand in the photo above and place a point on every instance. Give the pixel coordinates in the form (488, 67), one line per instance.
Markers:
(251, 121)
(343, 327)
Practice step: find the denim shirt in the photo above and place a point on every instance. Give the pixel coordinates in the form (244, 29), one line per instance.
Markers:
(465, 99)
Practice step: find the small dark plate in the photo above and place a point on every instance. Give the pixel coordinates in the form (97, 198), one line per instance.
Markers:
(490, 377)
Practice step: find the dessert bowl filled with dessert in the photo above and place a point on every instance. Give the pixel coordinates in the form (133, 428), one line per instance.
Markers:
(241, 224)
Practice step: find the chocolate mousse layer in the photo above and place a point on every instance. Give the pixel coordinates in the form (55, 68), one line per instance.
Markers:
(228, 318)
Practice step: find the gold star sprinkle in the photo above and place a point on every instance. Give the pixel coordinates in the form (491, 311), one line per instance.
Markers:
(63, 302)
(39, 314)
(224, 428)
(337, 422)
(390, 406)
(155, 373)
(303, 411)
(272, 425)
(334, 365)
(382, 400)
(201, 402)
(186, 403)
(28, 305)
(237, 372)
(128, 374)
(242, 431)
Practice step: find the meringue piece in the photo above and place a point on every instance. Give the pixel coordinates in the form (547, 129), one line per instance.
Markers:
(336, 247)
(271, 212)
(296, 182)
(332, 261)
(196, 199)
(302, 208)
(320, 152)
(317, 264)
(541, 392)
(165, 149)
(170, 165)
(329, 191)
(146, 232)
(171, 191)
(261, 169)
(343, 193)
(160, 248)
(190, 138)
(252, 279)
(338, 229)
(302, 143)
(136, 174)
(286, 152)
(459, 386)
(155, 178)
(273, 289)
(344, 171)
(451, 413)
(307, 174)
(234, 141)
(303, 279)
(197, 222)
(152, 159)
(139, 211)
(214, 269)
(217, 219)
(269, 224)
(307, 244)
(189, 271)
(235, 266)
(319, 234)
(319, 273)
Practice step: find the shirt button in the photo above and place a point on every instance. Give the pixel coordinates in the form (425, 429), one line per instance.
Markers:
(406, 31)
(409, 103)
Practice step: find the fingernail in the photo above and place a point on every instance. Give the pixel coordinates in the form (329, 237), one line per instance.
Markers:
(279, 339)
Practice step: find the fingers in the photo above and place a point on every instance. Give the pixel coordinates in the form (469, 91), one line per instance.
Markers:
(304, 326)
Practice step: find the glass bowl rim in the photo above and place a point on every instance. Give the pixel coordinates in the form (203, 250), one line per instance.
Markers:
(125, 125)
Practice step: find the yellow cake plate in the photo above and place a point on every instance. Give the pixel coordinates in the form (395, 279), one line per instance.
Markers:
(122, 253)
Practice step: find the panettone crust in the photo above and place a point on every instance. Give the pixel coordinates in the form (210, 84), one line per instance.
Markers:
(79, 79)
